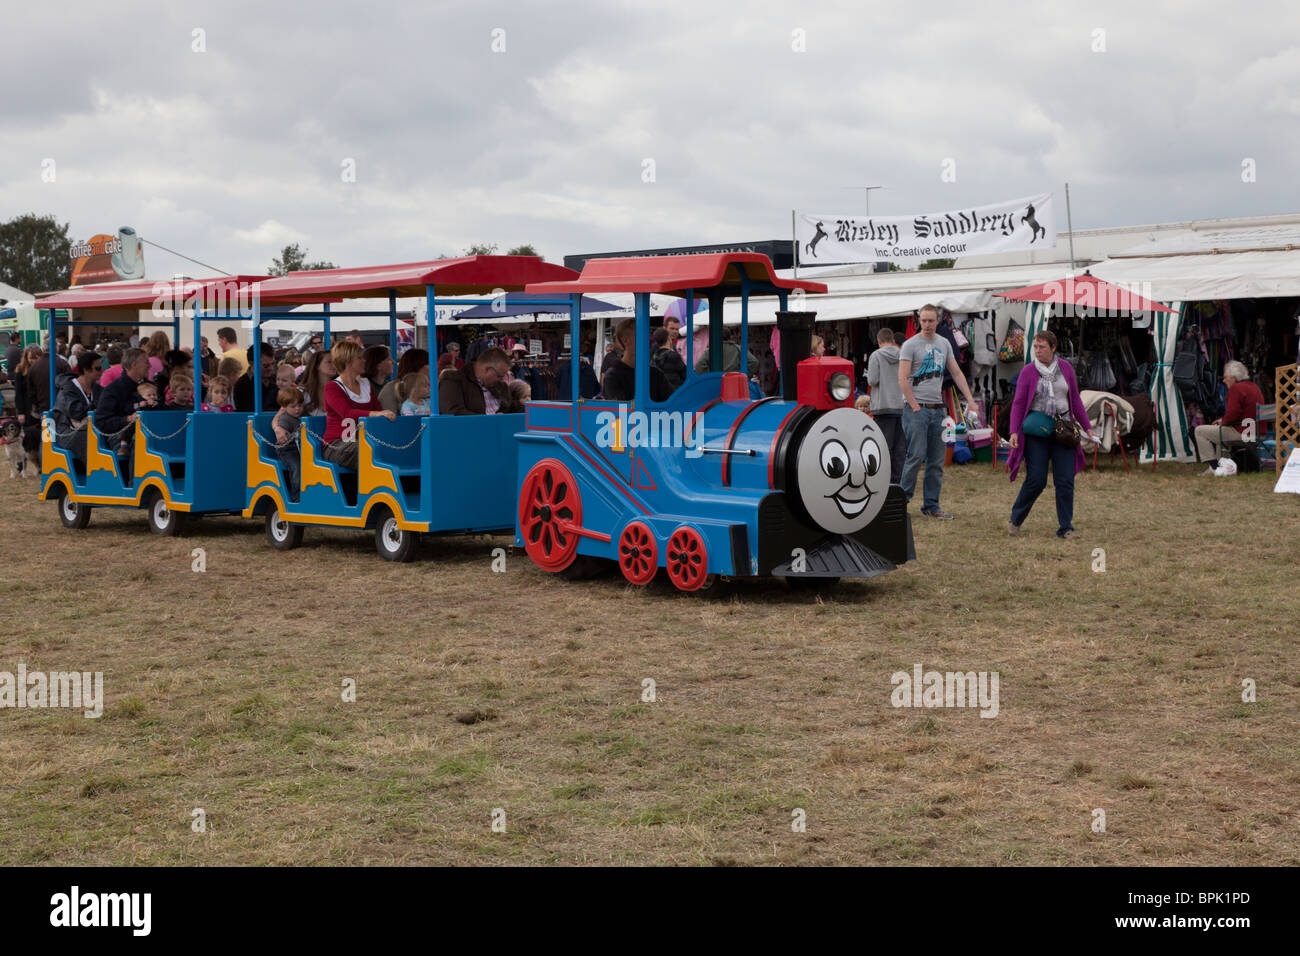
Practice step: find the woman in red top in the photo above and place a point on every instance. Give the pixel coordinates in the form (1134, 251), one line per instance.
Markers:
(347, 399)
(1244, 399)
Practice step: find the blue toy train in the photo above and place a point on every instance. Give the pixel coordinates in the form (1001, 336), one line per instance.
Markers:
(707, 485)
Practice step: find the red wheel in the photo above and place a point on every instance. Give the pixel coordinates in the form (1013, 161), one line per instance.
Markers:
(688, 559)
(638, 553)
(549, 511)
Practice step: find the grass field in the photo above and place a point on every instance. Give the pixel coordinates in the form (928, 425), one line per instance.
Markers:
(475, 690)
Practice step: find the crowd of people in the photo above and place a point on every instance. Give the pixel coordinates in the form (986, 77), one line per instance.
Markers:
(119, 381)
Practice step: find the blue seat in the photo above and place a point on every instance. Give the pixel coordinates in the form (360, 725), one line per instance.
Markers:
(396, 444)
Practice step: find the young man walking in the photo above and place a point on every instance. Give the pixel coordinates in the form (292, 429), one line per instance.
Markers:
(921, 364)
(887, 401)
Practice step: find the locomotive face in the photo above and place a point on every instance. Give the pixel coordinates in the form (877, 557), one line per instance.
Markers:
(843, 471)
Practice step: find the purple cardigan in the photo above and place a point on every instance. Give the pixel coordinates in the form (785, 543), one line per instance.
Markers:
(1025, 387)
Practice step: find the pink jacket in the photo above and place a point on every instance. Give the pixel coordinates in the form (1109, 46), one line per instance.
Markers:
(1025, 387)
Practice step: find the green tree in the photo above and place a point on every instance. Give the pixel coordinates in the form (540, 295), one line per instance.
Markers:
(293, 259)
(937, 264)
(485, 249)
(34, 253)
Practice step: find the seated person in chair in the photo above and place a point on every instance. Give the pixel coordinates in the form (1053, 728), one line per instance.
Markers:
(348, 398)
(75, 402)
(116, 409)
(619, 384)
(478, 388)
(1244, 399)
(285, 425)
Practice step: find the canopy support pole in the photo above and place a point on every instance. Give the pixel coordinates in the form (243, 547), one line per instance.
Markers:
(575, 346)
(392, 332)
(690, 332)
(1069, 223)
(255, 366)
(431, 318)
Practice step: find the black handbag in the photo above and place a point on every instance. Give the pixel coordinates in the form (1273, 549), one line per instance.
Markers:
(1066, 431)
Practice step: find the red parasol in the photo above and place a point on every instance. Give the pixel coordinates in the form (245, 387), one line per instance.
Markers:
(1085, 291)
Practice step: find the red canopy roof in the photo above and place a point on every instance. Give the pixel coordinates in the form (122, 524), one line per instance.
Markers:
(674, 275)
(1085, 291)
(468, 275)
(142, 295)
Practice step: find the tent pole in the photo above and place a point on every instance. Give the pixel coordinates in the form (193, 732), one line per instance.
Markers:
(1069, 222)
(794, 239)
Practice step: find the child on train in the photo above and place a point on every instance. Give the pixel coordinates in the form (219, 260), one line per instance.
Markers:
(218, 395)
(286, 376)
(146, 396)
(414, 390)
(285, 425)
(181, 388)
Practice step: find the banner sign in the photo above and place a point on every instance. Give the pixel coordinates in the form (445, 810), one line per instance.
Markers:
(107, 258)
(975, 231)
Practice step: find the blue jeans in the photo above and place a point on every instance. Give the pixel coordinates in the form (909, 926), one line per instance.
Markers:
(924, 430)
(291, 458)
(1038, 453)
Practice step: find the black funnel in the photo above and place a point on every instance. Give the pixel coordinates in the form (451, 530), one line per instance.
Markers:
(795, 332)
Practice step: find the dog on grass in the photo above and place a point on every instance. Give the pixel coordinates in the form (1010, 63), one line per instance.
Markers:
(11, 436)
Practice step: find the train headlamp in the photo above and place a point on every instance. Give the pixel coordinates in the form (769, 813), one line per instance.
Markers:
(840, 387)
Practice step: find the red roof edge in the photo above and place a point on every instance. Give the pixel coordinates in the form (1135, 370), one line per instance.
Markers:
(675, 275)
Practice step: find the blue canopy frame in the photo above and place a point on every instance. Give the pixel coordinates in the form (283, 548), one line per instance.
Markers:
(717, 297)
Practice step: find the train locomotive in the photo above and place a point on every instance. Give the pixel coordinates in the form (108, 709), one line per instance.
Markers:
(713, 483)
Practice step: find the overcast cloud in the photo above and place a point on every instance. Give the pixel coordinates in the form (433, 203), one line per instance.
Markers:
(229, 154)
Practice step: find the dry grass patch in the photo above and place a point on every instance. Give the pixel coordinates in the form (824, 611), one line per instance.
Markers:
(521, 692)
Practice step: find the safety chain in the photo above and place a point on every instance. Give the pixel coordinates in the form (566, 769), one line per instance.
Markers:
(164, 437)
(77, 426)
(274, 446)
(115, 435)
(376, 441)
(385, 444)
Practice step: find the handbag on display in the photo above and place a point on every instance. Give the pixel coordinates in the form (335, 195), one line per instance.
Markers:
(1066, 431)
(1038, 424)
(1013, 346)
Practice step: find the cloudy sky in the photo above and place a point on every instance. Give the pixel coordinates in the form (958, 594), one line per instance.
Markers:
(227, 130)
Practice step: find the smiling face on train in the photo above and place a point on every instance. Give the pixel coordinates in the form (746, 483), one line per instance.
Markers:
(843, 471)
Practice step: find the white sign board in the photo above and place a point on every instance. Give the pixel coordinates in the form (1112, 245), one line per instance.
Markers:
(1010, 226)
(1289, 480)
(534, 346)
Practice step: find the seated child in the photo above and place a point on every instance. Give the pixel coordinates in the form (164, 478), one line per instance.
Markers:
(414, 392)
(863, 404)
(285, 425)
(286, 376)
(181, 387)
(146, 397)
(218, 395)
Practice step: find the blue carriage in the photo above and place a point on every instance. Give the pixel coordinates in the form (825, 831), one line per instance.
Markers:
(173, 464)
(711, 483)
(434, 474)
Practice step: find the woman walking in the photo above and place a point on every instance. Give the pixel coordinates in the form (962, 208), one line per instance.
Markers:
(1047, 388)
